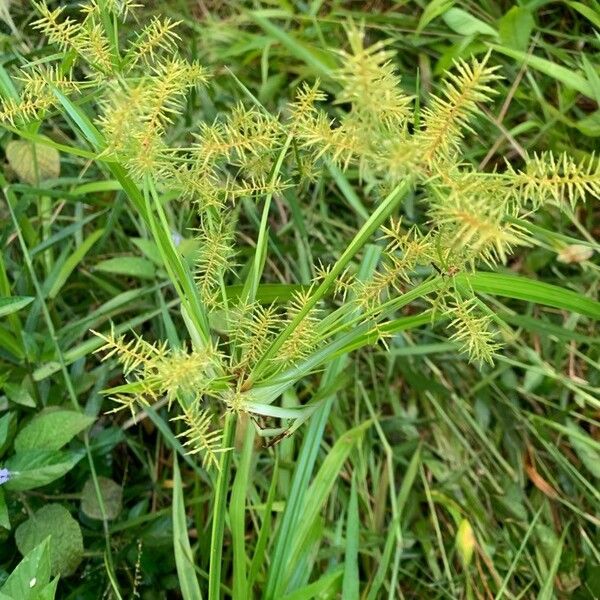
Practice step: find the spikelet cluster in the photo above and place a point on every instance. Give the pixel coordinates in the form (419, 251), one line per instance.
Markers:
(252, 327)
(304, 338)
(472, 215)
(153, 371)
(215, 257)
(142, 87)
(200, 434)
(472, 330)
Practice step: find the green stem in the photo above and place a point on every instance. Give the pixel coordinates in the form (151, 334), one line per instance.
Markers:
(382, 212)
(219, 510)
(261, 244)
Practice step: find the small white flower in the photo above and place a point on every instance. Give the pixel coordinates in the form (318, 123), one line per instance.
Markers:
(32, 582)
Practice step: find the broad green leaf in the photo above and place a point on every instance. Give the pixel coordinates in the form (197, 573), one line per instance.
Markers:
(36, 468)
(184, 559)
(13, 304)
(33, 163)
(134, 266)
(515, 27)
(462, 22)
(89, 131)
(71, 263)
(66, 541)
(433, 9)
(18, 394)
(34, 568)
(112, 498)
(51, 430)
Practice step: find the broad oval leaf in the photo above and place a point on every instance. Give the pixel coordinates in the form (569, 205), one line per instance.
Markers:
(112, 498)
(35, 565)
(66, 541)
(51, 430)
(35, 468)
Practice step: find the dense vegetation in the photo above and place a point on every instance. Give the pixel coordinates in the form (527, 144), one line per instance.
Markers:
(298, 300)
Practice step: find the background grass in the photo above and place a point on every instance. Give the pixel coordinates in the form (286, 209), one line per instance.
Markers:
(421, 476)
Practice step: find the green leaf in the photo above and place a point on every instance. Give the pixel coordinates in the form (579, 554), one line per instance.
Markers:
(530, 290)
(592, 76)
(515, 28)
(18, 394)
(267, 292)
(36, 468)
(379, 215)
(566, 76)
(583, 445)
(433, 9)
(71, 263)
(66, 541)
(317, 494)
(590, 124)
(460, 21)
(112, 498)
(184, 561)
(133, 266)
(350, 586)
(51, 430)
(33, 163)
(547, 591)
(588, 12)
(4, 518)
(521, 288)
(8, 427)
(322, 588)
(13, 304)
(348, 191)
(237, 516)
(33, 569)
(311, 56)
(149, 249)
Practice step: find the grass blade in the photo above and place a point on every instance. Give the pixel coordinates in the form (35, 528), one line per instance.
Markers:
(184, 561)
(350, 587)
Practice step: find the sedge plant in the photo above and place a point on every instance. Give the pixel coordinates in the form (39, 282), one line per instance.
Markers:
(125, 98)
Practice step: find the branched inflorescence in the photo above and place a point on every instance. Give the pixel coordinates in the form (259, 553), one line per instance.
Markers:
(141, 88)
